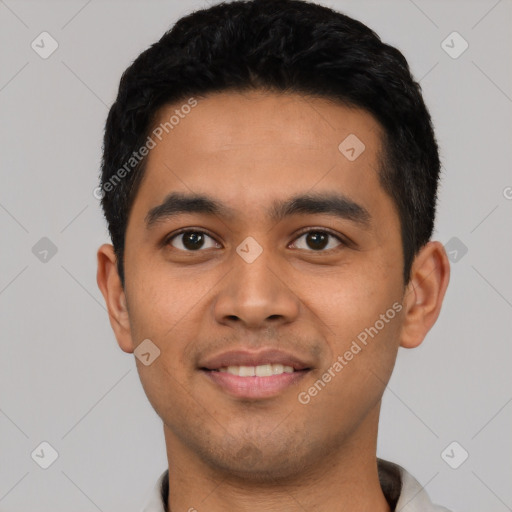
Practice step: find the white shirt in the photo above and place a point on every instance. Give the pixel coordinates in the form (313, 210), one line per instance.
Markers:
(394, 479)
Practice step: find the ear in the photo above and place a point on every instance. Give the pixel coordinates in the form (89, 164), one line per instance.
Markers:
(430, 274)
(109, 283)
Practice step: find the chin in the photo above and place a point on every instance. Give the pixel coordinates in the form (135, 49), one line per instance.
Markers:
(260, 463)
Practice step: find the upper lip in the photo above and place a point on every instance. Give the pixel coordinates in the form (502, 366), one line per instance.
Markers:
(253, 358)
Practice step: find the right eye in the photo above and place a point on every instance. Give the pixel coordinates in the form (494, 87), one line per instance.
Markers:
(190, 240)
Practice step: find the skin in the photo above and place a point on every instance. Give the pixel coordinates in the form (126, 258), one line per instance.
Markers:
(247, 150)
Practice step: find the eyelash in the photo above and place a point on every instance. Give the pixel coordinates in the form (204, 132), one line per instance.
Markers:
(343, 242)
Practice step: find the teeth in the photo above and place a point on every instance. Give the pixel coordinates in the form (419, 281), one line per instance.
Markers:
(264, 370)
(278, 369)
(246, 371)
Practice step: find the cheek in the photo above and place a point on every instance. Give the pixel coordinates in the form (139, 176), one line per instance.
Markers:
(351, 301)
(364, 321)
(362, 312)
(159, 301)
(164, 308)
(164, 319)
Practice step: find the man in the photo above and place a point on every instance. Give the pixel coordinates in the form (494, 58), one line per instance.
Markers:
(269, 181)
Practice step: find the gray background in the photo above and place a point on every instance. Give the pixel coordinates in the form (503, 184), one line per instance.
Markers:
(63, 378)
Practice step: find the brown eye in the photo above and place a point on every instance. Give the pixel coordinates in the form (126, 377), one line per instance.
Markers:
(191, 241)
(318, 240)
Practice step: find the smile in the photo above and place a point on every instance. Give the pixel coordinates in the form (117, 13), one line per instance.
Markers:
(254, 375)
(263, 370)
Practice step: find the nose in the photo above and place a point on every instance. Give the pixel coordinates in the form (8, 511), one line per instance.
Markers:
(257, 294)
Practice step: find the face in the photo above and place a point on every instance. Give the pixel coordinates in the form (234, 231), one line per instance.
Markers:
(290, 263)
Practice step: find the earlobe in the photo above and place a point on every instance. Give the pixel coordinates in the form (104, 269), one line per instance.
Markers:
(109, 283)
(424, 294)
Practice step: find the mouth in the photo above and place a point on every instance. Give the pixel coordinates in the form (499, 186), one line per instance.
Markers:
(262, 370)
(259, 375)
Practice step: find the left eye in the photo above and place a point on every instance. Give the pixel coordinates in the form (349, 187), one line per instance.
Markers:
(317, 240)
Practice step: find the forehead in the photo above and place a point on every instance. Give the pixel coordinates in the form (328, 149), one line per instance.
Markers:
(226, 119)
(246, 147)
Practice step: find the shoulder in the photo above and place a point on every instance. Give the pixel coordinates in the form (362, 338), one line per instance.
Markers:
(157, 501)
(413, 496)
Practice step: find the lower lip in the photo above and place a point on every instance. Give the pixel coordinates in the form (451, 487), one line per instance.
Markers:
(254, 387)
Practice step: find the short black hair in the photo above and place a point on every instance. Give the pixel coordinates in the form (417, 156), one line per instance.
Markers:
(286, 46)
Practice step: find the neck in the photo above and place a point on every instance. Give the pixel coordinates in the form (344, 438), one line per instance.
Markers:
(345, 480)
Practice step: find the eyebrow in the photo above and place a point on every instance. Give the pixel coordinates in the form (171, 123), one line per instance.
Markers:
(336, 205)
